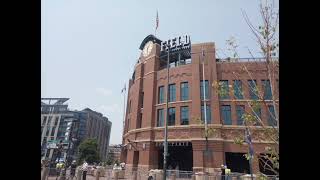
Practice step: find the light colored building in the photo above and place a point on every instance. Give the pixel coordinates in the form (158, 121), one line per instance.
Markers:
(114, 152)
(59, 124)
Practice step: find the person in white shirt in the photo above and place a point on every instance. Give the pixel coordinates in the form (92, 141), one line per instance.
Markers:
(84, 169)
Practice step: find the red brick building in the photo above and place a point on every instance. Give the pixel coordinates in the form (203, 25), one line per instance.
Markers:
(146, 110)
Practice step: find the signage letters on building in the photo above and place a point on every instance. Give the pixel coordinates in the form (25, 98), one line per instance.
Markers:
(176, 43)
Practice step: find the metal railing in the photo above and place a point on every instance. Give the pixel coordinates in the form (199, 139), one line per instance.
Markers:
(139, 174)
(234, 60)
(189, 175)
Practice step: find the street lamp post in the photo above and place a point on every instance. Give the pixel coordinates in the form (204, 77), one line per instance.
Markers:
(60, 147)
(248, 139)
(165, 152)
(68, 149)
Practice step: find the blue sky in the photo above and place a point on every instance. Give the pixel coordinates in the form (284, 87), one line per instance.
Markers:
(89, 47)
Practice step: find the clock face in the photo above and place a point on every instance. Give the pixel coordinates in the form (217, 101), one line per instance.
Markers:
(147, 48)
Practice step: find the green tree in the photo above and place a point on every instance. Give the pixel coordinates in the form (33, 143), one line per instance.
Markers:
(110, 159)
(88, 151)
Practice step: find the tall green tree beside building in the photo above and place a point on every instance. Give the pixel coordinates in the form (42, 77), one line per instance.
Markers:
(88, 151)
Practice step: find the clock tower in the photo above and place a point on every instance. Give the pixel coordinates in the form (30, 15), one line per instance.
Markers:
(150, 47)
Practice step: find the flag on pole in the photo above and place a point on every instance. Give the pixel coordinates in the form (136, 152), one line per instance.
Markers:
(124, 88)
(157, 21)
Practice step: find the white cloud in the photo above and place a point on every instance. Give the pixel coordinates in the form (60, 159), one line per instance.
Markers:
(108, 109)
(103, 91)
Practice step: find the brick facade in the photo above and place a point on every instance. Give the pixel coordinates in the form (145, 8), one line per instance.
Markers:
(141, 136)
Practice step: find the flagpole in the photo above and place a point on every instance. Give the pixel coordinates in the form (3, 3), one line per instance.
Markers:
(204, 95)
(157, 23)
(124, 107)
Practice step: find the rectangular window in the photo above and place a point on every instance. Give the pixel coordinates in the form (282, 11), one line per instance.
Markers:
(139, 122)
(56, 121)
(238, 89)
(172, 92)
(226, 114)
(208, 114)
(206, 84)
(240, 111)
(53, 131)
(184, 91)
(161, 94)
(267, 89)
(224, 89)
(160, 122)
(172, 116)
(184, 115)
(271, 119)
(128, 127)
(141, 98)
(130, 106)
(47, 131)
(44, 120)
(258, 116)
(253, 89)
(49, 121)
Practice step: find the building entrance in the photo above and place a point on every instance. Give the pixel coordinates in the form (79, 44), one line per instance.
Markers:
(237, 162)
(180, 156)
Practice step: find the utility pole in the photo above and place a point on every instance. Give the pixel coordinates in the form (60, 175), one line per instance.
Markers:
(165, 151)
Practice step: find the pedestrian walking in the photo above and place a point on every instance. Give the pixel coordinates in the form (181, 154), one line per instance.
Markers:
(59, 167)
(228, 173)
(177, 170)
(84, 169)
(150, 177)
(45, 171)
(73, 167)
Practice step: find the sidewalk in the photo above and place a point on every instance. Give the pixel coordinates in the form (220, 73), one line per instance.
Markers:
(89, 177)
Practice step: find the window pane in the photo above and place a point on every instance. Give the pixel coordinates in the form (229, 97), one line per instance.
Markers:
(172, 116)
(172, 92)
(271, 120)
(184, 91)
(258, 117)
(238, 89)
(253, 89)
(161, 94)
(56, 121)
(44, 120)
(53, 131)
(160, 118)
(206, 83)
(226, 115)
(141, 97)
(267, 89)
(185, 115)
(240, 112)
(224, 89)
(208, 114)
